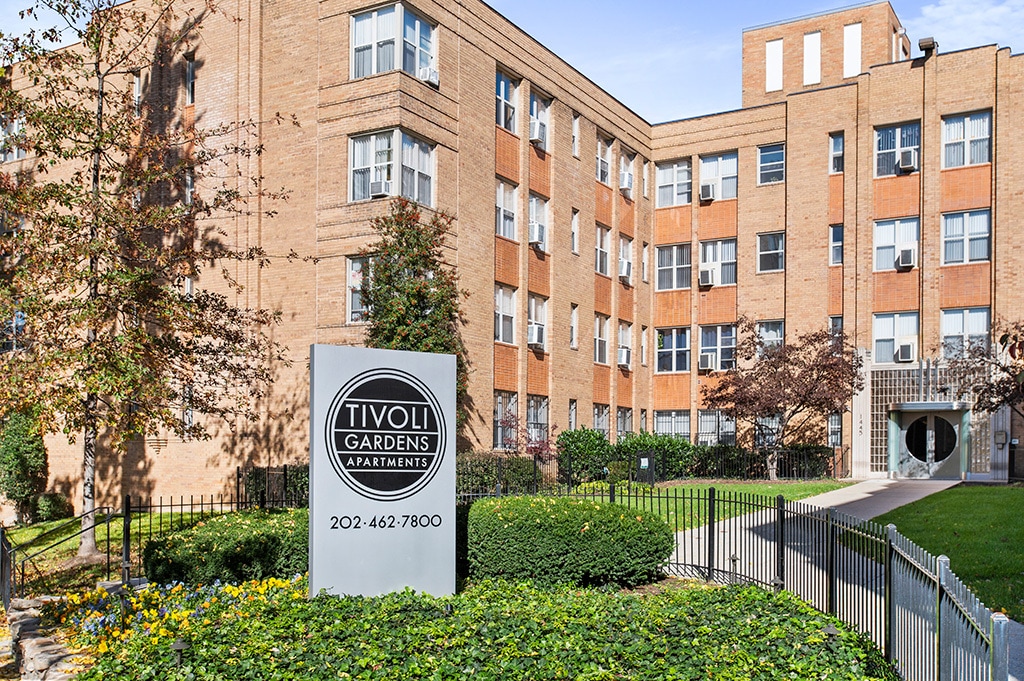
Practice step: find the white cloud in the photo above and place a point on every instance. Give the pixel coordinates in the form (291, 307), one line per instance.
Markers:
(957, 24)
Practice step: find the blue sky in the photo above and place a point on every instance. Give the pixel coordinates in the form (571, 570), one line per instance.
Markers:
(669, 59)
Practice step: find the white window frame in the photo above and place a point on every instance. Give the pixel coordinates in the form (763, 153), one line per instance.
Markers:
(602, 238)
(835, 430)
(674, 422)
(539, 213)
(673, 350)
(891, 236)
(766, 430)
(360, 271)
(645, 173)
(603, 171)
(576, 135)
(537, 313)
(412, 43)
(189, 188)
(10, 150)
(506, 94)
(626, 337)
(407, 162)
(836, 153)
(574, 326)
(574, 232)
(722, 170)
(975, 146)
(539, 111)
(573, 415)
(623, 421)
(835, 244)
(672, 274)
(715, 428)
(504, 314)
(506, 404)
(964, 328)
(722, 344)
(771, 169)
(136, 94)
(772, 333)
(537, 418)
(812, 58)
(902, 140)
(765, 249)
(506, 200)
(773, 56)
(674, 183)
(190, 79)
(969, 224)
(602, 414)
(711, 258)
(601, 339)
(626, 254)
(893, 328)
(852, 50)
(408, 34)
(643, 346)
(627, 160)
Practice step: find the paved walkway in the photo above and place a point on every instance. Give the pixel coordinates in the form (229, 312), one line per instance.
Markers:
(872, 498)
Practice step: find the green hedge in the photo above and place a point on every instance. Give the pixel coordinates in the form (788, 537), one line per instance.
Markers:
(232, 548)
(482, 472)
(555, 540)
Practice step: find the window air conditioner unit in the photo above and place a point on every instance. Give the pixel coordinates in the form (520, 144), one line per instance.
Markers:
(707, 192)
(625, 355)
(626, 182)
(707, 361)
(536, 234)
(428, 75)
(706, 278)
(907, 259)
(908, 160)
(905, 352)
(538, 132)
(625, 270)
(535, 335)
(379, 190)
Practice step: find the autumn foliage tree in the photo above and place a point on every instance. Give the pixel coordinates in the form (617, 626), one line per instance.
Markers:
(117, 215)
(785, 391)
(993, 375)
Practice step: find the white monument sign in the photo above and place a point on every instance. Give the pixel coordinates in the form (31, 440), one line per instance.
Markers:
(382, 471)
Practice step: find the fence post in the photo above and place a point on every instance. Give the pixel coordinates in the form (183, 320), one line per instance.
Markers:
(711, 534)
(780, 542)
(611, 492)
(284, 485)
(263, 496)
(1000, 647)
(497, 487)
(831, 550)
(942, 653)
(5, 571)
(890, 601)
(534, 473)
(126, 543)
(238, 487)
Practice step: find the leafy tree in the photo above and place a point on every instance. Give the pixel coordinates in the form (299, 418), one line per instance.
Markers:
(994, 376)
(412, 294)
(784, 391)
(122, 205)
(23, 466)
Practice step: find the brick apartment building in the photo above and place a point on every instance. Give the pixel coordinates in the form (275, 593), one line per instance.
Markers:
(856, 188)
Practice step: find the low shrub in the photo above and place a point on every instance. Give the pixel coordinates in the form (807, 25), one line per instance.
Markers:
(23, 464)
(560, 539)
(482, 472)
(583, 455)
(671, 457)
(233, 548)
(53, 506)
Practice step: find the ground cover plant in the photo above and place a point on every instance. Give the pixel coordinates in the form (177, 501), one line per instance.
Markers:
(979, 528)
(494, 630)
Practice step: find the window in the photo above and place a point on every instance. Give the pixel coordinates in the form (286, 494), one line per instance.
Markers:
(835, 430)
(576, 135)
(189, 190)
(626, 161)
(673, 267)
(773, 65)
(675, 422)
(601, 250)
(835, 245)
(626, 258)
(536, 418)
(771, 164)
(766, 430)
(674, 183)
(505, 92)
(835, 152)
(771, 334)
(601, 414)
(771, 252)
(417, 44)
(12, 146)
(537, 315)
(643, 345)
(673, 354)
(891, 236)
(891, 142)
(720, 342)
(539, 222)
(600, 339)
(720, 171)
(358, 276)
(965, 237)
(719, 256)
(851, 50)
(573, 417)
(505, 210)
(574, 326)
(891, 330)
(539, 120)
(574, 231)
(623, 422)
(137, 93)
(643, 420)
(715, 428)
(646, 173)
(13, 335)
(190, 79)
(644, 259)
(374, 171)
(625, 344)
(965, 139)
(504, 314)
(604, 159)
(812, 58)
(835, 324)
(506, 408)
(963, 329)
(373, 42)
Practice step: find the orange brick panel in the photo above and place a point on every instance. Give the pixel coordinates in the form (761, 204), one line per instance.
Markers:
(672, 391)
(717, 220)
(602, 295)
(704, 383)
(539, 264)
(717, 305)
(965, 285)
(626, 303)
(835, 290)
(966, 188)
(506, 367)
(672, 308)
(506, 261)
(624, 391)
(673, 225)
(540, 172)
(835, 199)
(897, 197)
(603, 204)
(896, 291)
(627, 216)
(603, 382)
(537, 373)
(506, 154)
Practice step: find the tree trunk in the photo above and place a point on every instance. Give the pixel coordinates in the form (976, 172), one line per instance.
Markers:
(87, 545)
(773, 463)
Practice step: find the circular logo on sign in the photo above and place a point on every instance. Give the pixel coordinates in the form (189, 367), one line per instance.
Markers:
(385, 434)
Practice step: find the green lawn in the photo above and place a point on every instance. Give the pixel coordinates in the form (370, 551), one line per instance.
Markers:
(981, 529)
